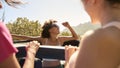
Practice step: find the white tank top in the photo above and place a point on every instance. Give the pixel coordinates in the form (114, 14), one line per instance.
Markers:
(116, 24)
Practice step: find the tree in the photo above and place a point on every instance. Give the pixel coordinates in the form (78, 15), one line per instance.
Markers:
(24, 26)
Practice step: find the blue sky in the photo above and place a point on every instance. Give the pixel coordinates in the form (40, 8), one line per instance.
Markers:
(60, 10)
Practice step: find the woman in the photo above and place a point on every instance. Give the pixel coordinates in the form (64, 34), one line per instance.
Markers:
(50, 37)
(100, 48)
(8, 51)
(50, 34)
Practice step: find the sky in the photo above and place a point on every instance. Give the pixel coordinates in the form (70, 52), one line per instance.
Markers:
(42, 10)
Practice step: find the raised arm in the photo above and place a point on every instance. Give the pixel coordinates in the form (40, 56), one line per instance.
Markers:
(74, 35)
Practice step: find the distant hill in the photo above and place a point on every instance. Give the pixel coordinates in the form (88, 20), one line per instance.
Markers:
(82, 28)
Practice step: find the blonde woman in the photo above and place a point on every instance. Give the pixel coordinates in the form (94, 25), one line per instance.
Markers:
(100, 48)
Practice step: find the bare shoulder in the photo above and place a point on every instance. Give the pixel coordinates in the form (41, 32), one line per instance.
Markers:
(106, 36)
(101, 46)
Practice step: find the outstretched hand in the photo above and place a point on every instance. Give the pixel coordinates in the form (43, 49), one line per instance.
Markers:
(32, 47)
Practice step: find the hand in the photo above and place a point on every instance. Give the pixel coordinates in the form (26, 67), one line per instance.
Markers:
(32, 47)
(66, 24)
(69, 50)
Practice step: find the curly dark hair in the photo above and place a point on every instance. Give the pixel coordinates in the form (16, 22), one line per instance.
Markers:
(48, 25)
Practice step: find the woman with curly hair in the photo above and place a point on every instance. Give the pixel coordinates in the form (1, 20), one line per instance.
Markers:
(49, 36)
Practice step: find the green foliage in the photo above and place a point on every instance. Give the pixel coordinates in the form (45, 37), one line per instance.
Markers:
(24, 26)
(65, 33)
